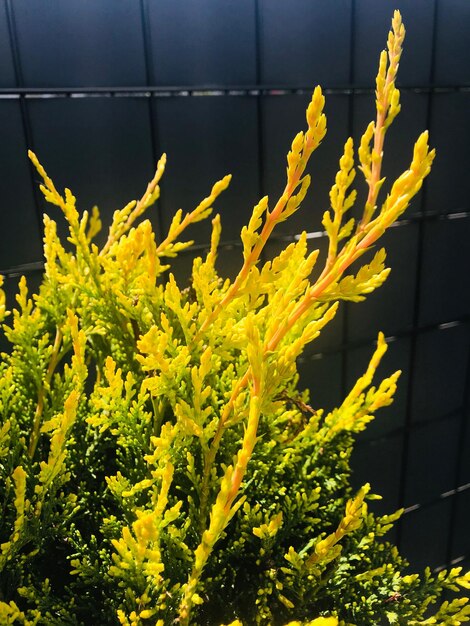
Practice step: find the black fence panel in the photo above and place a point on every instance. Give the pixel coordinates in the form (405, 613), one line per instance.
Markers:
(100, 88)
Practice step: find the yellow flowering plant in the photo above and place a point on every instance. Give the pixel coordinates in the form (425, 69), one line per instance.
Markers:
(158, 463)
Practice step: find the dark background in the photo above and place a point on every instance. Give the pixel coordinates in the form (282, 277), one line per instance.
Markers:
(99, 88)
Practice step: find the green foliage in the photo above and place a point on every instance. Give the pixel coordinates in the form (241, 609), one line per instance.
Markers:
(158, 463)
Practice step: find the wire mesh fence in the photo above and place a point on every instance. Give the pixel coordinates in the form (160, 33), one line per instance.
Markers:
(99, 89)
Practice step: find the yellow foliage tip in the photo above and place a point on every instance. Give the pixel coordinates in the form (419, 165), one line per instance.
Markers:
(269, 530)
(204, 208)
(19, 476)
(422, 156)
(161, 162)
(35, 161)
(316, 121)
(94, 224)
(215, 239)
(364, 152)
(221, 185)
(398, 28)
(48, 189)
(3, 311)
(70, 405)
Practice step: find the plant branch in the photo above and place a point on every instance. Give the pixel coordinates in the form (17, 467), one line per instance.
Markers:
(43, 389)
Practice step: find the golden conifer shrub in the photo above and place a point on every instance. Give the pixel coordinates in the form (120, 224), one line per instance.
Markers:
(158, 463)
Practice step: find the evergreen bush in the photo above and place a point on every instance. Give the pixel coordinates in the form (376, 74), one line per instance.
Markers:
(158, 462)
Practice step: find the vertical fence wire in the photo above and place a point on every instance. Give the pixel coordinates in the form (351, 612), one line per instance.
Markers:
(416, 308)
(462, 441)
(350, 127)
(259, 101)
(152, 107)
(24, 112)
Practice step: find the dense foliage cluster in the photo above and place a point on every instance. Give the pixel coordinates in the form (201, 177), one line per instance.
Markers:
(158, 463)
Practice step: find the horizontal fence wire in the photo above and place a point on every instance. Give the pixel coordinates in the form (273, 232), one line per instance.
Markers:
(227, 245)
(185, 91)
(433, 501)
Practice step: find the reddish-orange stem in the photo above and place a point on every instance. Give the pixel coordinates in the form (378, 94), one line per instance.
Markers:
(254, 255)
